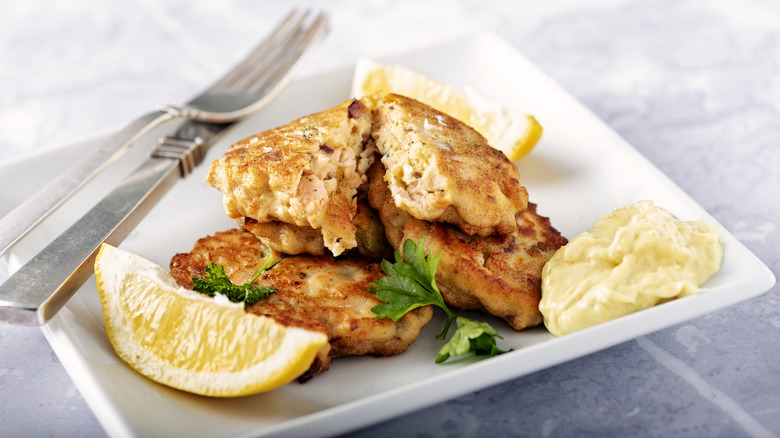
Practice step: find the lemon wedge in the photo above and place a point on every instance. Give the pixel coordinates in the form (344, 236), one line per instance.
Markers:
(191, 342)
(512, 132)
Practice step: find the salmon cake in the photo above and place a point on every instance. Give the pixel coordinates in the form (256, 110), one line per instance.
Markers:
(439, 169)
(292, 239)
(312, 291)
(305, 173)
(242, 255)
(499, 274)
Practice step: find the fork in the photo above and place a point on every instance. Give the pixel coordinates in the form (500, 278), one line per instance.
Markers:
(250, 85)
(37, 290)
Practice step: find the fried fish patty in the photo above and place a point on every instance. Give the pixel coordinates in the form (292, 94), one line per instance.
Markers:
(292, 239)
(500, 274)
(441, 170)
(319, 291)
(242, 255)
(305, 173)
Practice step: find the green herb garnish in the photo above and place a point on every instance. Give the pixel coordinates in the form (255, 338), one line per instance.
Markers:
(215, 280)
(471, 335)
(410, 284)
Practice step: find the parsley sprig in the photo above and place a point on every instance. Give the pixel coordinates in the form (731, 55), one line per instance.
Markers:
(411, 283)
(471, 335)
(215, 280)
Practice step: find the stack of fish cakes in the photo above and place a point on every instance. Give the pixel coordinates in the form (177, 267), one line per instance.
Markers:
(336, 191)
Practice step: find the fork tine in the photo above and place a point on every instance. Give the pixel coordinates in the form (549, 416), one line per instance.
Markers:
(258, 80)
(259, 52)
(266, 76)
(279, 52)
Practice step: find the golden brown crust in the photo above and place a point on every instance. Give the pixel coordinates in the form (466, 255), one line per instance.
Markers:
(500, 274)
(238, 251)
(497, 274)
(304, 173)
(294, 240)
(335, 292)
(310, 290)
(241, 255)
(441, 170)
(286, 238)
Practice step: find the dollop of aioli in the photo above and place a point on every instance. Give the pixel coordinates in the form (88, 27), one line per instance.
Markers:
(633, 258)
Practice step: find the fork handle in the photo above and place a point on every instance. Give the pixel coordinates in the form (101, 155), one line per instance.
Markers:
(27, 215)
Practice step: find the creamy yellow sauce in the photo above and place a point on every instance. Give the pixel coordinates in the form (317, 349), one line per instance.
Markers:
(633, 258)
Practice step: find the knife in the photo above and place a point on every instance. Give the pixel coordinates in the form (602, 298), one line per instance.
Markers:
(34, 293)
(17, 223)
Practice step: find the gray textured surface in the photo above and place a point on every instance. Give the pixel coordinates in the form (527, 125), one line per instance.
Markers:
(692, 84)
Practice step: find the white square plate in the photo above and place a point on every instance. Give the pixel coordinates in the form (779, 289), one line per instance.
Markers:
(579, 171)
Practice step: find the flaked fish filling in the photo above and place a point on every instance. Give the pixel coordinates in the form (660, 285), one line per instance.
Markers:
(327, 170)
(414, 179)
(419, 192)
(366, 159)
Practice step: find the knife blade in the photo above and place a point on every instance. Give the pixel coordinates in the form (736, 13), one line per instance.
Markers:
(27, 215)
(35, 292)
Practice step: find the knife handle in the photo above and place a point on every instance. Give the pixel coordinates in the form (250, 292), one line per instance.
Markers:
(27, 215)
(34, 293)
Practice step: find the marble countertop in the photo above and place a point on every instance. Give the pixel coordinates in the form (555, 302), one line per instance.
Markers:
(693, 85)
